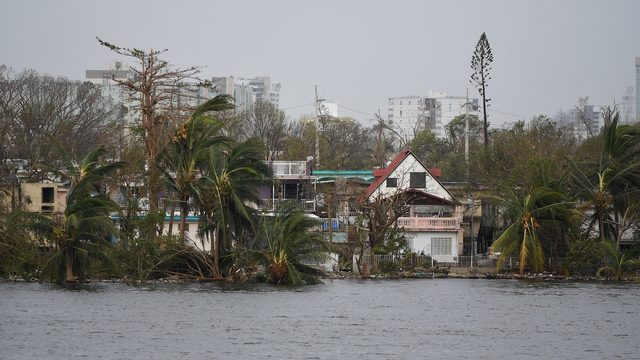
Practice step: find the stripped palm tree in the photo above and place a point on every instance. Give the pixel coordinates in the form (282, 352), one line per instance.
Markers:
(540, 206)
(182, 160)
(228, 188)
(609, 185)
(291, 245)
(79, 232)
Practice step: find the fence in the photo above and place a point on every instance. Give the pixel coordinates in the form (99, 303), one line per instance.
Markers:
(479, 261)
(407, 260)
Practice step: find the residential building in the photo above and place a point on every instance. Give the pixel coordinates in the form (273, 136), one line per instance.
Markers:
(184, 96)
(411, 114)
(247, 91)
(433, 223)
(583, 121)
(637, 87)
(292, 182)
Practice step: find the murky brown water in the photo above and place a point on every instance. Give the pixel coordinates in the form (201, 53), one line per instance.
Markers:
(342, 319)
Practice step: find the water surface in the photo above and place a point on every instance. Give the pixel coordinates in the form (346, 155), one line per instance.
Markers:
(342, 319)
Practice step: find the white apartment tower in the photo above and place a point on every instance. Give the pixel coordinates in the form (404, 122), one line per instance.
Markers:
(247, 91)
(637, 87)
(411, 114)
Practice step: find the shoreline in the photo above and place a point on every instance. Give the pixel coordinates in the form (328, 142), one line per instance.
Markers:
(541, 277)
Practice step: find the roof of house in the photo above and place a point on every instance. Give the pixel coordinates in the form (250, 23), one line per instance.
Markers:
(322, 176)
(382, 174)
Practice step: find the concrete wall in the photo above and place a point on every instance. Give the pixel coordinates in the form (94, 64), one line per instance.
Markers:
(421, 243)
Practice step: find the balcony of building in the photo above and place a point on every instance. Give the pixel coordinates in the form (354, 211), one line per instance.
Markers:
(429, 223)
(290, 169)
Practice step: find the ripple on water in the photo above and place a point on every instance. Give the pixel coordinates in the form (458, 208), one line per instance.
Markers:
(340, 319)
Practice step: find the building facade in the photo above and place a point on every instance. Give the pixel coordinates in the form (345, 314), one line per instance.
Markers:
(410, 115)
(248, 91)
(637, 87)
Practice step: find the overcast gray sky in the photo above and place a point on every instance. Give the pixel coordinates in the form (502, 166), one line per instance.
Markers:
(359, 53)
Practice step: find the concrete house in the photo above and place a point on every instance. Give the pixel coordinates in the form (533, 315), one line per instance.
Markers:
(433, 223)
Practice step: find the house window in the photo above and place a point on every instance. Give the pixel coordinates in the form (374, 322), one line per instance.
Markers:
(47, 195)
(392, 182)
(418, 180)
(440, 246)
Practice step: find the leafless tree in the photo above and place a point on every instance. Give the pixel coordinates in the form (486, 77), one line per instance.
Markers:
(153, 88)
(266, 122)
(38, 110)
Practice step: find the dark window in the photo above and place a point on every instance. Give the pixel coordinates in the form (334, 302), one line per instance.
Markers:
(418, 180)
(392, 182)
(47, 195)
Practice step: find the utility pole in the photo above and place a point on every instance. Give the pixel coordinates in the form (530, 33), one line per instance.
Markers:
(317, 104)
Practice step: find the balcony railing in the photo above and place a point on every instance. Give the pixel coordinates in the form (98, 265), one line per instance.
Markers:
(289, 168)
(429, 223)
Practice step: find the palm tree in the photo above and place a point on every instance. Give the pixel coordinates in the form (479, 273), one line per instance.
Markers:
(290, 244)
(618, 263)
(607, 185)
(540, 206)
(229, 184)
(79, 231)
(182, 159)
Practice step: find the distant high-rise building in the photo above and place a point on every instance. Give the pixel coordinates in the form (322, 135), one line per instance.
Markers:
(106, 80)
(184, 97)
(637, 87)
(581, 121)
(248, 91)
(411, 114)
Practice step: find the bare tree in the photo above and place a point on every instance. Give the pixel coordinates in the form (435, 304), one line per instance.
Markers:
(153, 88)
(37, 110)
(581, 113)
(266, 122)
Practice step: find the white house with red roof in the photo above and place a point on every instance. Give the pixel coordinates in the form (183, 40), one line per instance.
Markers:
(432, 225)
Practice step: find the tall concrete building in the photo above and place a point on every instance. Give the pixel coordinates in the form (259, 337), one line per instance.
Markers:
(246, 91)
(637, 87)
(184, 97)
(411, 114)
(105, 80)
(582, 122)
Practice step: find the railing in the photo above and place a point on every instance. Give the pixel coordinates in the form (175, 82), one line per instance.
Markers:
(336, 225)
(289, 168)
(479, 261)
(510, 263)
(408, 260)
(304, 204)
(429, 223)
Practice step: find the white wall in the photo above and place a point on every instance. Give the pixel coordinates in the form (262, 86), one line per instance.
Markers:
(421, 242)
(409, 165)
(192, 234)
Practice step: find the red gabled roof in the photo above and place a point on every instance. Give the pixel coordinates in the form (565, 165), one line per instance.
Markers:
(381, 174)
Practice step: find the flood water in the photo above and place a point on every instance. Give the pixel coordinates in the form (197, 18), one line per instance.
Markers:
(342, 319)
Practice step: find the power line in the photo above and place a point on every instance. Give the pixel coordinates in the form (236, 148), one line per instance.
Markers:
(508, 113)
(356, 111)
(298, 106)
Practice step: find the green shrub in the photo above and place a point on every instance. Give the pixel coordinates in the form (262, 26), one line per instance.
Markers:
(584, 256)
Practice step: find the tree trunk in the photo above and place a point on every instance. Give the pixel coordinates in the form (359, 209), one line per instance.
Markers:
(215, 250)
(484, 115)
(69, 260)
(172, 212)
(183, 222)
